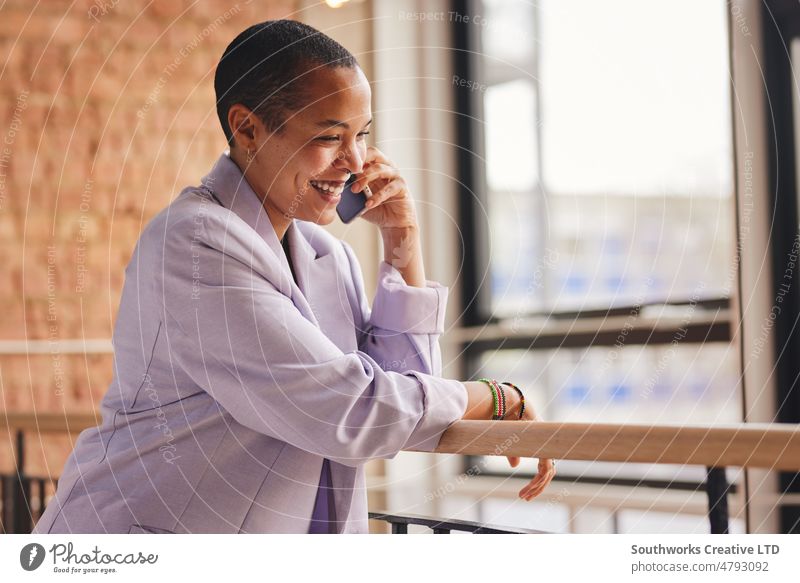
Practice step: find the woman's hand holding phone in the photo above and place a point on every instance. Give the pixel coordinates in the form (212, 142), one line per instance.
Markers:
(388, 203)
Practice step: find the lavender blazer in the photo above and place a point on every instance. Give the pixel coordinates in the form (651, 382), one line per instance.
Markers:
(232, 382)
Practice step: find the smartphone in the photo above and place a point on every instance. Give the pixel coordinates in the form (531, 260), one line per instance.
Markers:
(352, 204)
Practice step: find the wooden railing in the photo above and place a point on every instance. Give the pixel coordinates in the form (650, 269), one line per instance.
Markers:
(48, 422)
(771, 446)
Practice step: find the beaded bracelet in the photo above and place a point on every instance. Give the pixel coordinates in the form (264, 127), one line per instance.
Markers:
(498, 399)
(495, 397)
(521, 398)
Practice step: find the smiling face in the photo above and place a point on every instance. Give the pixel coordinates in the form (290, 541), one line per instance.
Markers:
(300, 171)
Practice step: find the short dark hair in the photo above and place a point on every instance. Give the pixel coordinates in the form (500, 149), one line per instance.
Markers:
(263, 66)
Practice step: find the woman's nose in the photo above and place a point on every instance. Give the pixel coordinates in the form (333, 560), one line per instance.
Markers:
(350, 159)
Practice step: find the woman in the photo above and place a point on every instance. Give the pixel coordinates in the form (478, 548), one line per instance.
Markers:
(252, 379)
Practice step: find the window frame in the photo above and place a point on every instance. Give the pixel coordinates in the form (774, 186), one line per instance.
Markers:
(481, 331)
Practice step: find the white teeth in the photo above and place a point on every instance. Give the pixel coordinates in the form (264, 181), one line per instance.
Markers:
(327, 187)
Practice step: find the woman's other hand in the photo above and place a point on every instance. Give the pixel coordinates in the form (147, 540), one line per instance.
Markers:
(547, 468)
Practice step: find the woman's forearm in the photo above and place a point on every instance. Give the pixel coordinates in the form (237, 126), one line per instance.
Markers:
(402, 249)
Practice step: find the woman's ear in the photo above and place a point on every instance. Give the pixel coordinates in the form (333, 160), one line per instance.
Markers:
(244, 126)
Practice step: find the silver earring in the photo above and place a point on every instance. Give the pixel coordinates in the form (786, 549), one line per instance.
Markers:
(249, 156)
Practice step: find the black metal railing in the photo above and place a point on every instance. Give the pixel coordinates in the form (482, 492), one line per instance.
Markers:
(22, 498)
(400, 523)
(717, 489)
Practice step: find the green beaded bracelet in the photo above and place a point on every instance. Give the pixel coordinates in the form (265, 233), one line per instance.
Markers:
(498, 399)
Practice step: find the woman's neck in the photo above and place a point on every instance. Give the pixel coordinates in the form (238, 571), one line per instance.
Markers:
(280, 223)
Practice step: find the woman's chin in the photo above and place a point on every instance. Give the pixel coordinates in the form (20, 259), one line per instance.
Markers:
(322, 217)
(327, 217)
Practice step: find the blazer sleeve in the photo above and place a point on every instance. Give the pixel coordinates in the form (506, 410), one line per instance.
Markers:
(244, 342)
(401, 331)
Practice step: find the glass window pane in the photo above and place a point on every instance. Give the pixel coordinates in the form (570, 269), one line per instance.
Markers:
(503, 20)
(511, 163)
(633, 102)
(633, 200)
(625, 250)
(510, 114)
(518, 268)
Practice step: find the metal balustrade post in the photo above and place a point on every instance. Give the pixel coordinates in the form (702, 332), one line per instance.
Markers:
(717, 488)
(42, 483)
(20, 492)
(5, 500)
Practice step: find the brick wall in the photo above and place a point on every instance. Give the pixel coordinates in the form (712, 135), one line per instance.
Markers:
(107, 112)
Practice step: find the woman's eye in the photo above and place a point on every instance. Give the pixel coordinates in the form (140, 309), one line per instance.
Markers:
(337, 138)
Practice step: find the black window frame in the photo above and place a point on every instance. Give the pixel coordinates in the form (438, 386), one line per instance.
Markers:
(780, 25)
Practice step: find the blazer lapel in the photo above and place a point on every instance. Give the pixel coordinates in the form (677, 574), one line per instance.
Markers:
(320, 282)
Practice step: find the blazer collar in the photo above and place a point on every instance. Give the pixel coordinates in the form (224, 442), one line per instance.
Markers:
(232, 191)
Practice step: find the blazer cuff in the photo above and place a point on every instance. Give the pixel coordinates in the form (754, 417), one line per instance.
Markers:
(445, 402)
(403, 308)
